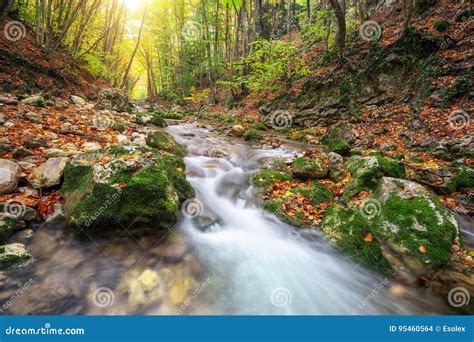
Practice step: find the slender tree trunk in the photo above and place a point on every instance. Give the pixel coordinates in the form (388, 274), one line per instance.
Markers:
(341, 24)
(127, 71)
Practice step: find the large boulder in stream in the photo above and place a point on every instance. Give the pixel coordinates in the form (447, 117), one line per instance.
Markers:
(404, 228)
(124, 186)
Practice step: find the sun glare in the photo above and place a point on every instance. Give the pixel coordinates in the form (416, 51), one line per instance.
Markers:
(132, 5)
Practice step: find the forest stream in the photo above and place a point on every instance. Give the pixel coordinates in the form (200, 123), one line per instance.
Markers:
(233, 259)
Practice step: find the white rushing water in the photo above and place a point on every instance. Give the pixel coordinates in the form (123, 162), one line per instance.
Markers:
(259, 265)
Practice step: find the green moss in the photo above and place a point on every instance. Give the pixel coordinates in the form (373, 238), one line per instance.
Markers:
(164, 142)
(76, 177)
(348, 228)
(367, 171)
(306, 168)
(7, 226)
(464, 178)
(317, 193)
(335, 144)
(252, 135)
(266, 178)
(260, 127)
(152, 194)
(418, 225)
(461, 87)
(441, 25)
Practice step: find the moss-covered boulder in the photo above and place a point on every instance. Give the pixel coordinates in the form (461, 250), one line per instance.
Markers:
(348, 229)
(7, 226)
(153, 118)
(366, 172)
(317, 193)
(339, 138)
(163, 141)
(14, 254)
(124, 186)
(266, 178)
(404, 227)
(305, 168)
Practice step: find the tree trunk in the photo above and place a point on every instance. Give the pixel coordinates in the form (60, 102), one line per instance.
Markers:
(341, 24)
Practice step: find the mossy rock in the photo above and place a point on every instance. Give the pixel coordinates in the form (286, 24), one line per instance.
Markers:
(411, 216)
(347, 228)
(276, 207)
(338, 138)
(337, 145)
(153, 118)
(366, 171)
(14, 254)
(7, 226)
(308, 168)
(163, 141)
(137, 186)
(318, 193)
(463, 179)
(408, 226)
(252, 135)
(266, 178)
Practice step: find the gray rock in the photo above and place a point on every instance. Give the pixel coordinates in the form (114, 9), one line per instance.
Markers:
(113, 99)
(10, 174)
(337, 170)
(78, 100)
(3, 118)
(48, 174)
(55, 153)
(237, 130)
(33, 117)
(36, 100)
(21, 152)
(35, 142)
(452, 149)
(5, 147)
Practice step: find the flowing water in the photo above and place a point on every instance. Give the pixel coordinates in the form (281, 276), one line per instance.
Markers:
(233, 259)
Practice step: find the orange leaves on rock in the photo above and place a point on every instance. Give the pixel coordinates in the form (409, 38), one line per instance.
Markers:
(122, 185)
